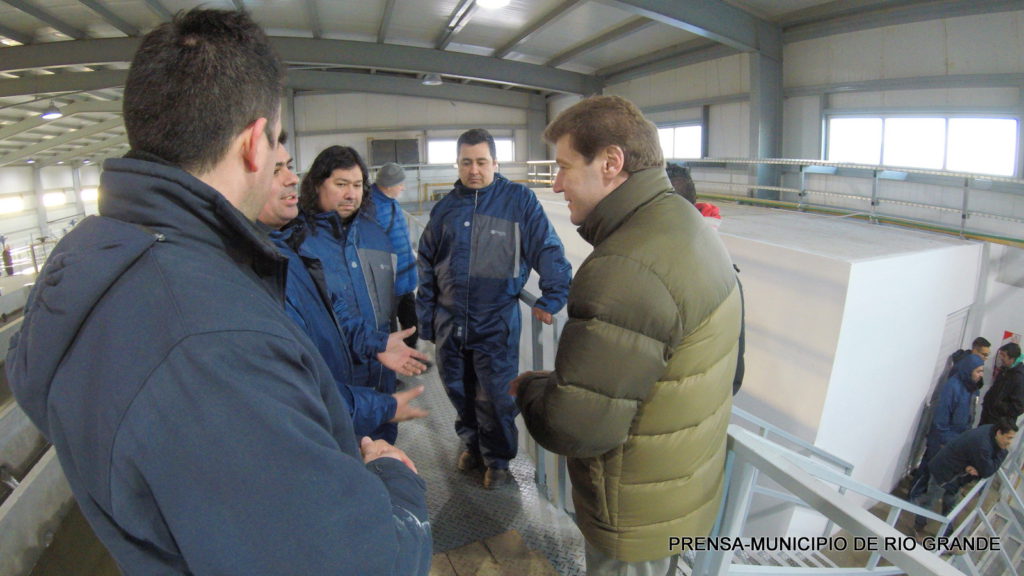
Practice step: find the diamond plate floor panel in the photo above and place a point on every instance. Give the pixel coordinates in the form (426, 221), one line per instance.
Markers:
(461, 510)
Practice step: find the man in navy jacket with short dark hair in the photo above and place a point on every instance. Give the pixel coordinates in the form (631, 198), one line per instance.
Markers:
(475, 256)
(975, 454)
(199, 428)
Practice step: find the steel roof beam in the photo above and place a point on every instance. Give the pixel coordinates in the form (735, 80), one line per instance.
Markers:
(711, 19)
(326, 52)
(382, 84)
(76, 108)
(385, 21)
(159, 9)
(811, 23)
(459, 18)
(685, 54)
(15, 35)
(536, 26)
(629, 27)
(66, 82)
(47, 18)
(90, 150)
(111, 18)
(314, 18)
(59, 140)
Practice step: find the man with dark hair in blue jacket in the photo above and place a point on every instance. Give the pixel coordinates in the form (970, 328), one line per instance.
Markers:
(199, 428)
(358, 265)
(975, 454)
(475, 256)
(310, 304)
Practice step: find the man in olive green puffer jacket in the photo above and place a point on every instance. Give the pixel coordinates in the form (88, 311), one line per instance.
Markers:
(642, 389)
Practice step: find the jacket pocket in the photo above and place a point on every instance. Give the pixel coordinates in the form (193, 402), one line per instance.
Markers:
(495, 246)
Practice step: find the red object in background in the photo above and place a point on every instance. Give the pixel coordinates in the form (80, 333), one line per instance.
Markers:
(708, 210)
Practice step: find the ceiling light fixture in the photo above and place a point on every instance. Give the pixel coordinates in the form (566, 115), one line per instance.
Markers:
(51, 113)
(432, 80)
(492, 4)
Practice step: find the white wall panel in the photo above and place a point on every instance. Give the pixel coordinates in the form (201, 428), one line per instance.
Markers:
(855, 57)
(917, 49)
(933, 98)
(354, 111)
(54, 177)
(801, 126)
(15, 180)
(984, 44)
(729, 135)
(637, 90)
(90, 176)
(705, 80)
(806, 63)
(978, 44)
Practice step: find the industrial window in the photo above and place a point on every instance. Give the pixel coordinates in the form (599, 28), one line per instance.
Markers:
(444, 150)
(955, 143)
(681, 141)
(403, 151)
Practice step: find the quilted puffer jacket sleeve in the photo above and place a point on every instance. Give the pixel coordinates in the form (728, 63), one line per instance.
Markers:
(609, 357)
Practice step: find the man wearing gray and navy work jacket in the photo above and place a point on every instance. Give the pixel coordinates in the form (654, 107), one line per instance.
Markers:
(475, 256)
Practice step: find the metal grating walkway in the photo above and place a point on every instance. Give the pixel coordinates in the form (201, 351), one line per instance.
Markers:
(461, 510)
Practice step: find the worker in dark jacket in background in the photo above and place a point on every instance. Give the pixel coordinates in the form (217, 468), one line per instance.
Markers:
(952, 415)
(475, 256)
(980, 347)
(973, 455)
(199, 428)
(1006, 397)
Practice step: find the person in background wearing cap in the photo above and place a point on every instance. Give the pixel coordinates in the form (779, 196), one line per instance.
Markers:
(385, 192)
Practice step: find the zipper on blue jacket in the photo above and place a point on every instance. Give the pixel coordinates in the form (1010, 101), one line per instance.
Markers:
(469, 271)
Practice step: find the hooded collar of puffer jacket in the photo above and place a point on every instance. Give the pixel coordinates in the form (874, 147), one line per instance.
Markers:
(617, 207)
(143, 201)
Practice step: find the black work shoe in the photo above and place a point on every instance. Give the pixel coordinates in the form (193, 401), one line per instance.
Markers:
(495, 477)
(469, 460)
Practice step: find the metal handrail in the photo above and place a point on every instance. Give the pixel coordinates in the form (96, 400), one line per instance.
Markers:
(542, 173)
(754, 454)
(810, 479)
(814, 450)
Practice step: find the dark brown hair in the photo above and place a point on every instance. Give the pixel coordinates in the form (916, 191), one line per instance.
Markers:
(196, 82)
(597, 122)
